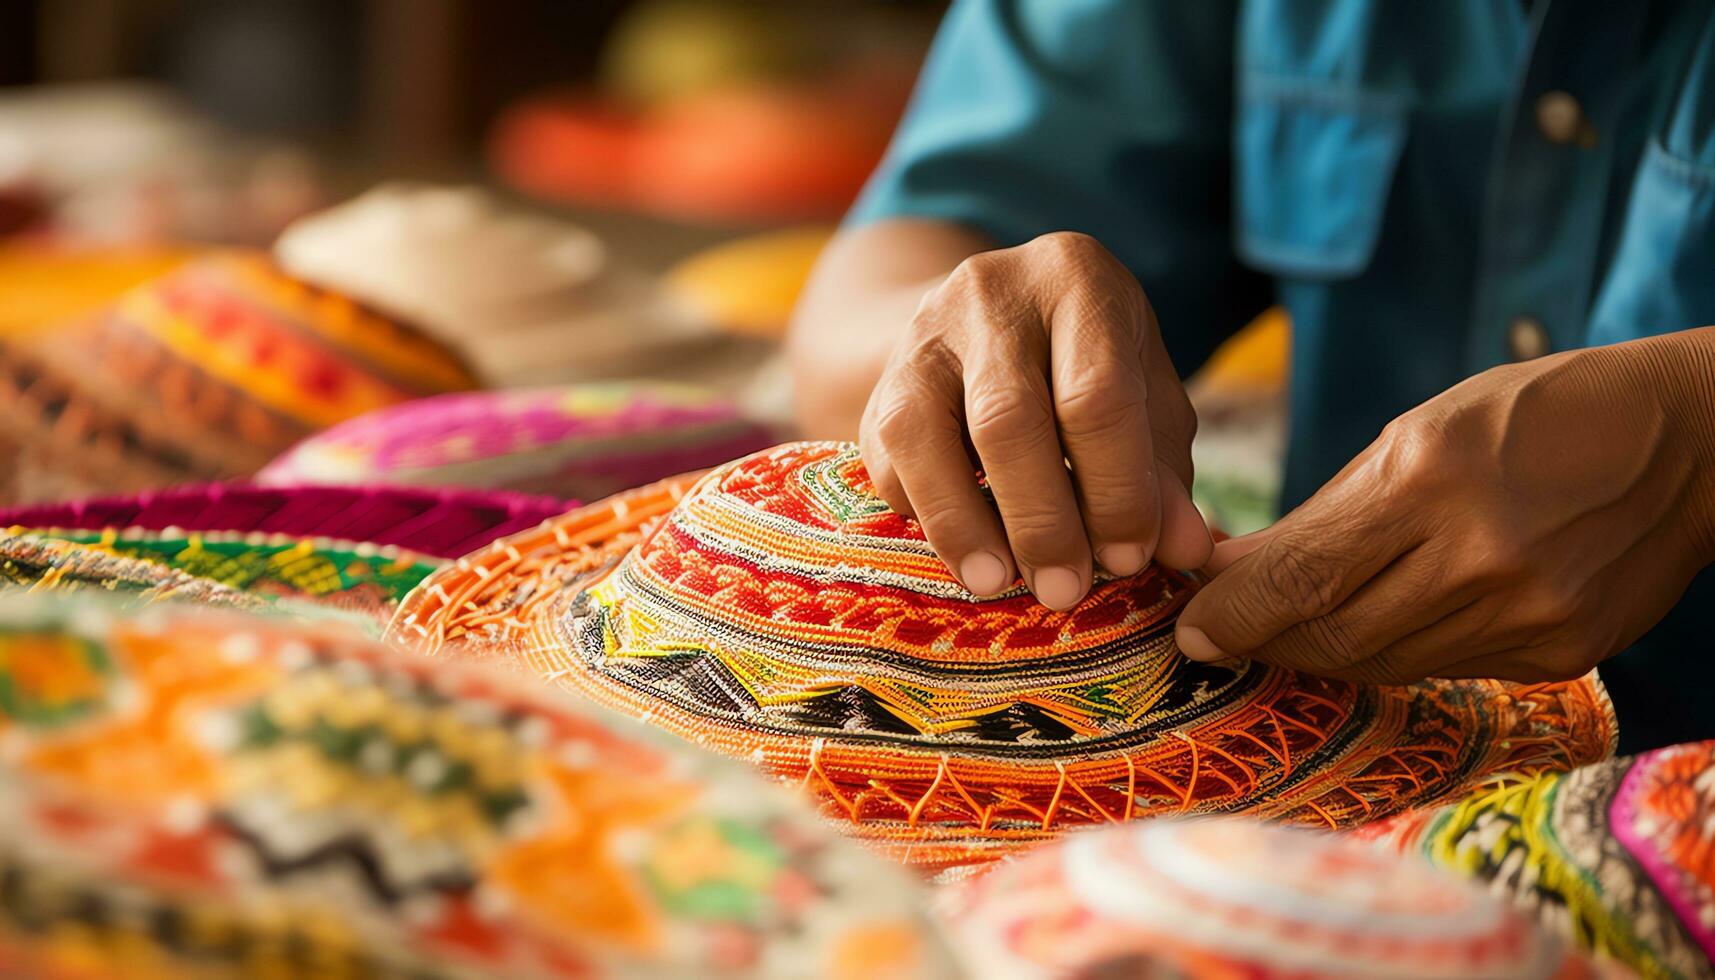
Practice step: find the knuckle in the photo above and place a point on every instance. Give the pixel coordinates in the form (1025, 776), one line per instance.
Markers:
(1035, 526)
(1308, 585)
(981, 278)
(943, 520)
(1070, 246)
(897, 422)
(1039, 536)
(1102, 402)
(1410, 452)
(1010, 421)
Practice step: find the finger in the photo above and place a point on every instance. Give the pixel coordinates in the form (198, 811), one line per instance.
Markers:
(1185, 541)
(1546, 659)
(1011, 422)
(914, 448)
(1101, 408)
(1316, 559)
(1356, 640)
(1436, 647)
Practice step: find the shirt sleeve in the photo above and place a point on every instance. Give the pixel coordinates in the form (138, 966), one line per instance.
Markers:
(1109, 117)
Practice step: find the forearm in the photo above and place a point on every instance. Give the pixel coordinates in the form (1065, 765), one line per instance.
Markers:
(864, 292)
(1683, 365)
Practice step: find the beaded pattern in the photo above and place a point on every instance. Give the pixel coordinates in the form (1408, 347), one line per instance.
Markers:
(582, 441)
(1224, 897)
(781, 613)
(216, 795)
(1619, 857)
(207, 372)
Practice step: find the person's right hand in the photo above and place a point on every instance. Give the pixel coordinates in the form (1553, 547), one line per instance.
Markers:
(1034, 357)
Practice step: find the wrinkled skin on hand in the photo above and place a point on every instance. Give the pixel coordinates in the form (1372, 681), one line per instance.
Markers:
(1525, 524)
(1021, 361)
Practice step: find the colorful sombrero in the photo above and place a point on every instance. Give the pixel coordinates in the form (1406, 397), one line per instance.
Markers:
(583, 441)
(197, 795)
(1231, 898)
(781, 613)
(528, 298)
(1619, 857)
(206, 373)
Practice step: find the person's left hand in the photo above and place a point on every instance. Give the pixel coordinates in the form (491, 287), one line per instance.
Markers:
(1525, 525)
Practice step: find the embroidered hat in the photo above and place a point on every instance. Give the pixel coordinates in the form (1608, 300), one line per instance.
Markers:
(193, 794)
(206, 373)
(781, 613)
(584, 441)
(1228, 897)
(1619, 857)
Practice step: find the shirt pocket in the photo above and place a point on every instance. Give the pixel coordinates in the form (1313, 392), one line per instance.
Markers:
(1313, 165)
(1662, 276)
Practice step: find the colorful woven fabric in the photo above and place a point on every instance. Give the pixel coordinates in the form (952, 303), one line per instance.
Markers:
(1619, 857)
(208, 372)
(248, 571)
(782, 613)
(1231, 898)
(187, 795)
(443, 523)
(583, 441)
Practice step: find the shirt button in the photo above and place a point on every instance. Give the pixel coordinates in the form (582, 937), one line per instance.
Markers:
(1561, 120)
(1527, 338)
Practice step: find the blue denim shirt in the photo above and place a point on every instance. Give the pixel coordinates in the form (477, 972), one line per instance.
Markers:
(1429, 188)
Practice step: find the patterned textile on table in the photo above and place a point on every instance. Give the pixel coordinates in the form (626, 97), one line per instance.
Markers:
(1226, 897)
(314, 549)
(1620, 857)
(583, 441)
(443, 523)
(781, 613)
(196, 794)
(255, 571)
(206, 373)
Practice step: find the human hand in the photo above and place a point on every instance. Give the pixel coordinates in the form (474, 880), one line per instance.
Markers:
(1034, 357)
(1525, 525)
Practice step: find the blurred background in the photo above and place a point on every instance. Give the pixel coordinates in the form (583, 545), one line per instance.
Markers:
(708, 116)
(558, 192)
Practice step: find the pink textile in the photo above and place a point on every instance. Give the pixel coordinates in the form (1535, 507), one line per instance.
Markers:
(443, 523)
(587, 441)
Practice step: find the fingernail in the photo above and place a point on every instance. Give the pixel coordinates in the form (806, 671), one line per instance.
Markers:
(1196, 645)
(1121, 559)
(983, 573)
(1057, 588)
